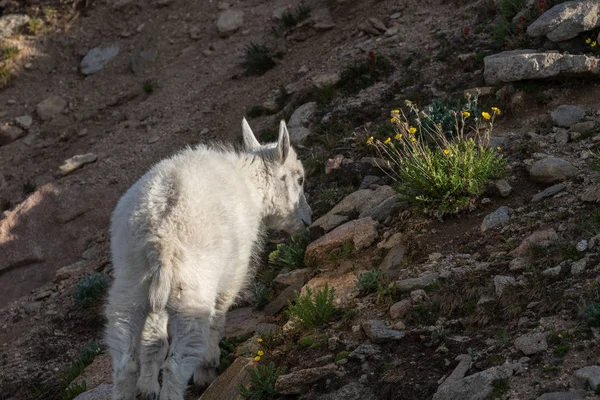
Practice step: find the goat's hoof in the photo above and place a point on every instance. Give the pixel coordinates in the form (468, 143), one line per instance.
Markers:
(152, 396)
(204, 376)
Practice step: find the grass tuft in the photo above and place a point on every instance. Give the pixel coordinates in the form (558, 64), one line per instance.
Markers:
(258, 59)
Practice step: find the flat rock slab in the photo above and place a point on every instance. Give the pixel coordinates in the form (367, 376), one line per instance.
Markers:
(379, 333)
(517, 65)
(477, 386)
(407, 285)
(299, 381)
(566, 20)
(573, 395)
(76, 162)
(227, 385)
(242, 322)
(548, 192)
(552, 169)
(532, 343)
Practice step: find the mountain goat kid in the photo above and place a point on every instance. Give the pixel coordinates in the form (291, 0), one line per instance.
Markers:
(182, 240)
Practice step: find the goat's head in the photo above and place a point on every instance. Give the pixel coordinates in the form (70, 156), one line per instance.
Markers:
(288, 208)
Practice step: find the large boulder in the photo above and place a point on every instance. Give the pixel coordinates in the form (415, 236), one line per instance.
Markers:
(517, 65)
(566, 20)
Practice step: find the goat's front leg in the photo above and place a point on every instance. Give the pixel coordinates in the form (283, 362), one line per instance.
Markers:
(154, 346)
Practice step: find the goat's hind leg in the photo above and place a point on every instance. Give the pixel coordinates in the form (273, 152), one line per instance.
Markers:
(154, 346)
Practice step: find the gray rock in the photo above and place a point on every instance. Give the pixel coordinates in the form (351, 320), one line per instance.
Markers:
(386, 208)
(578, 266)
(12, 23)
(351, 391)
(548, 192)
(561, 137)
(554, 271)
(300, 381)
(502, 282)
(552, 169)
(364, 351)
(102, 392)
(574, 395)
(50, 107)
(408, 285)
(368, 181)
(531, 343)
(9, 134)
(300, 121)
(97, 58)
(230, 21)
(292, 277)
(517, 65)
(71, 270)
(139, 61)
(582, 245)
(76, 162)
(587, 376)
(503, 188)
(379, 333)
(393, 259)
(325, 80)
(460, 371)
(566, 115)
(477, 386)
(24, 122)
(499, 217)
(281, 301)
(400, 309)
(565, 21)
(582, 127)
(518, 264)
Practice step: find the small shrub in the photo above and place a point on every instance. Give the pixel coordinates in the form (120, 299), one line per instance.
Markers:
(341, 355)
(313, 313)
(258, 59)
(510, 8)
(499, 388)
(227, 347)
(289, 19)
(91, 290)
(363, 74)
(5, 75)
(74, 390)
(34, 26)
(148, 86)
(437, 174)
(503, 337)
(9, 52)
(29, 187)
(306, 341)
(262, 294)
(86, 357)
(262, 383)
(591, 314)
(369, 282)
(291, 255)
(342, 252)
(562, 349)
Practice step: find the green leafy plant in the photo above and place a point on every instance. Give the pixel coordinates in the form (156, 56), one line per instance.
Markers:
(313, 313)
(9, 52)
(85, 358)
(91, 289)
(258, 59)
(591, 314)
(438, 174)
(262, 294)
(262, 383)
(34, 26)
(369, 282)
(363, 74)
(291, 254)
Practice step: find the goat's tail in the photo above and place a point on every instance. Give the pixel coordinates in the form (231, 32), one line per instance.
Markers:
(160, 280)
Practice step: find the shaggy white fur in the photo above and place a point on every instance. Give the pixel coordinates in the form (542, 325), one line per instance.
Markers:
(182, 242)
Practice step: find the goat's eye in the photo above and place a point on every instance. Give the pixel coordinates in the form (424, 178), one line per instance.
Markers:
(300, 181)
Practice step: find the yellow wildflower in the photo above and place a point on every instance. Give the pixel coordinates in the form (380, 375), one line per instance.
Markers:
(486, 115)
(499, 148)
(446, 151)
(396, 111)
(393, 120)
(496, 110)
(593, 44)
(412, 130)
(412, 140)
(259, 340)
(466, 114)
(257, 358)
(588, 41)
(386, 141)
(398, 136)
(370, 140)
(260, 353)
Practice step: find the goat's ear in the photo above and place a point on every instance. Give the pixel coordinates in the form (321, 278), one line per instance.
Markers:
(250, 142)
(283, 144)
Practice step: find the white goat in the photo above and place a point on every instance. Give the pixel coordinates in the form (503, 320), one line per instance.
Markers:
(182, 240)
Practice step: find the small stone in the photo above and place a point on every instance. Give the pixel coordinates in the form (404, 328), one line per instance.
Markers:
(325, 80)
(76, 162)
(531, 343)
(379, 333)
(552, 169)
(97, 58)
(578, 266)
(368, 181)
(24, 122)
(300, 381)
(555, 271)
(502, 282)
(230, 21)
(582, 245)
(43, 295)
(567, 115)
(293, 277)
(549, 192)
(50, 107)
(518, 264)
(400, 309)
(582, 127)
(418, 296)
(503, 188)
(561, 137)
(395, 16)
(499, 217)
(9, 134)
(408, 285)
